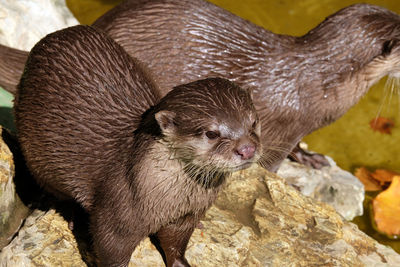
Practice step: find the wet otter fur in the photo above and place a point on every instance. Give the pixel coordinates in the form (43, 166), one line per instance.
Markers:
(12, 62)
(92, 128)
(299, 84)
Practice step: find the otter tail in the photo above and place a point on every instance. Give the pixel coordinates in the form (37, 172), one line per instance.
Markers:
(12, 62)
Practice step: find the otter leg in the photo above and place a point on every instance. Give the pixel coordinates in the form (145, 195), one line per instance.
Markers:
(172, 239)
(314, 160)
(113, 243)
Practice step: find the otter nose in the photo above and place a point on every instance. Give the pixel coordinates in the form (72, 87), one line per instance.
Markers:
(246, 151)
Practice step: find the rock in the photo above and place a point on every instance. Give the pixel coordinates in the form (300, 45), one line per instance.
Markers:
(12, 210)
(44, 240)
(21, 27)
(222, 240)
(258, 220)
(330, 185)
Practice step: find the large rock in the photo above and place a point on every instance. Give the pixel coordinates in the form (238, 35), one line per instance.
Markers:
(21, 26)
(258, 220)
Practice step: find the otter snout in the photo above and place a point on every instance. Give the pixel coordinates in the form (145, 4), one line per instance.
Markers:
(245, 148)
(246, 151)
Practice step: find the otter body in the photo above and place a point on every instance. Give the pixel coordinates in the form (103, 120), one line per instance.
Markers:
(299, 83)
(93, 129)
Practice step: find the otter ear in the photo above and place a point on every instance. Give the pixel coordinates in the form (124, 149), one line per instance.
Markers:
(166, 121)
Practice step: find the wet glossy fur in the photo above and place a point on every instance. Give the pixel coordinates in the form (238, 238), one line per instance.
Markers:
(64, 104)
(79, 120)
(299, 83)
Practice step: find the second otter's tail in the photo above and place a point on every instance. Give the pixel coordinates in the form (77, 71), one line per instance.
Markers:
(12, 62)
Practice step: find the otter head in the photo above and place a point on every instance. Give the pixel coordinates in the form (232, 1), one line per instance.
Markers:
(383, 29)
(211, 126)
(361, 39)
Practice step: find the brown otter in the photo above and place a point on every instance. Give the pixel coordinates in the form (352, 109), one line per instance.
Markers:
(78, 117)
(299, 83)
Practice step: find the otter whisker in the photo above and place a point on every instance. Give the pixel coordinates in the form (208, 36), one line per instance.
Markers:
(278, 149)
(279, 143)
(391, 87)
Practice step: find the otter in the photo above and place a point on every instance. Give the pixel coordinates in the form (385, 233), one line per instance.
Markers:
(93, 128)
(299, 84)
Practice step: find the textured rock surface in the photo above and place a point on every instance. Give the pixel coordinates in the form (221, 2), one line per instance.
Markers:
(44, 240)
(12, 210)
(258, 220)
(24, 22)
(331, 185)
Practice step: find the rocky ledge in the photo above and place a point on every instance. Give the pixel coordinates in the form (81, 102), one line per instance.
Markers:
(258, 220)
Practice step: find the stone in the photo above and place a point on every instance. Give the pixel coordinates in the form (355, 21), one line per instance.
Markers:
(222, 237)
(21, 26)
(330, 185)
(44, 240)
(258, 220)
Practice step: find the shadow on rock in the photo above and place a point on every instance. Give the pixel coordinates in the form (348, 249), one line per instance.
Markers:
(34, 197)
(7, 118)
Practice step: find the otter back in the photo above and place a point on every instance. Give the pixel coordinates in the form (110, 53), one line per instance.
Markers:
(80, 92)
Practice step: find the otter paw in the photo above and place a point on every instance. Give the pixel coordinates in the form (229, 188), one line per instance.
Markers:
(313, 160)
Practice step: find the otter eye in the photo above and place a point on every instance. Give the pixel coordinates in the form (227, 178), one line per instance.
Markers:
(212, 134)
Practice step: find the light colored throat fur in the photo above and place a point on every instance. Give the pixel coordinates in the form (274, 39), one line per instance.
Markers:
(374, 71)
(357, 83)
(163, 177)
(167, 159)
(382, 66)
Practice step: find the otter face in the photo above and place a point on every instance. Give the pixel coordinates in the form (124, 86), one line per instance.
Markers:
(219, 145)
(215, 128)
